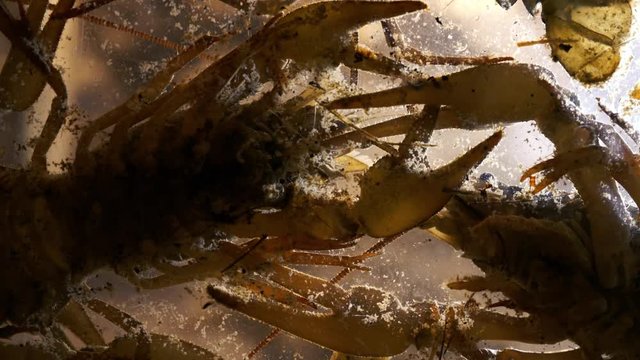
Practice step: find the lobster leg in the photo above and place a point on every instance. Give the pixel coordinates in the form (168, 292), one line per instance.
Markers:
(352, 331)
(229, 258)
(626, 170)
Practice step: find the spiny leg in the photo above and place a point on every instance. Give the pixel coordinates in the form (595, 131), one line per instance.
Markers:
(396, 126)
(270, 290)
(395, 40)
(417, 129)
(418, 57)
(290, 250)
(363, 58)
(207, 264)
(360, 57)
(290, 287)
(373, 139)
(621, 122)
(322, 291)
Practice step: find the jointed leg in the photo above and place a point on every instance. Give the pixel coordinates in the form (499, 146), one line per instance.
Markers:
(322, 291)
(623, 165)
(229, 256)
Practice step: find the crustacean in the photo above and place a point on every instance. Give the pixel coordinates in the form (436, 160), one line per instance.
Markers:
(600, 264)
(585, 35)
(145, 195)
(536, 252)
(363, 321)
(596, 258)
(185, 162)
(536, 98)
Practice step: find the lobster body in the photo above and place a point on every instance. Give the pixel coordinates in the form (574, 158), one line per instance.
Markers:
(59, 228)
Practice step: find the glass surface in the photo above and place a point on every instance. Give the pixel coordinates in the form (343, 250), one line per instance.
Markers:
(102, 66)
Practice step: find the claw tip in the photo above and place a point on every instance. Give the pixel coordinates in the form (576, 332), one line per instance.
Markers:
(494, 139)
